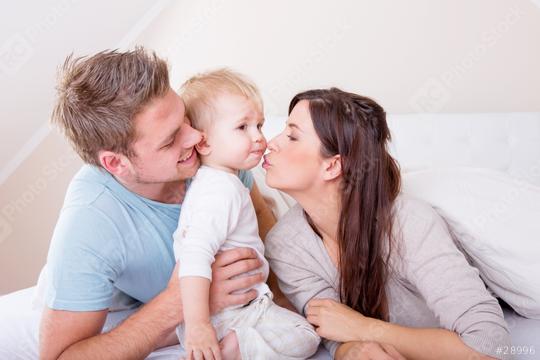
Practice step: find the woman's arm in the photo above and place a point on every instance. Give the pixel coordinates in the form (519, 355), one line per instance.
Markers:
(450, 286)
(295, 269)
(439, 273)
(366, 350)
(338, 322)
(266, 221)
(419, 343)
(265, 217)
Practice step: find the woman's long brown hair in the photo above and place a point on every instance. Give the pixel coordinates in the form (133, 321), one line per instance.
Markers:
(355, 127)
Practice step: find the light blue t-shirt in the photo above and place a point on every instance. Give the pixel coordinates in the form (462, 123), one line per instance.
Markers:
(109, 241)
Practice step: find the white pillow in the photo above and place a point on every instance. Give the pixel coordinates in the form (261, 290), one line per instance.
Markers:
(496, 220)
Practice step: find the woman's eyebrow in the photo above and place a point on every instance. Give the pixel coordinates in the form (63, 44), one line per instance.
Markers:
(294, 126)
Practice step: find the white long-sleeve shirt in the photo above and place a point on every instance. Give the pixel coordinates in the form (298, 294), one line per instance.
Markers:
(217, 214)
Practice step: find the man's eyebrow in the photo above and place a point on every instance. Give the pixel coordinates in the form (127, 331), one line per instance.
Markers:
(169, 138)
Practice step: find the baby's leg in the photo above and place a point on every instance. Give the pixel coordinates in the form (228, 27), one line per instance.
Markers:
(229, 347)
(277, 334)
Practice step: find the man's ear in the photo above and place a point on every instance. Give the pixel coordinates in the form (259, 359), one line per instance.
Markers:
(332, 167)
(203, 148)
(116, 164)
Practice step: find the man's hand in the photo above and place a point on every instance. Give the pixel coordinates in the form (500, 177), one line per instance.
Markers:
(229, 264)
(69, 333)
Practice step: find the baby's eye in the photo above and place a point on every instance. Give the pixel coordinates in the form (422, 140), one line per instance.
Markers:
(242, 127)
(259, 126)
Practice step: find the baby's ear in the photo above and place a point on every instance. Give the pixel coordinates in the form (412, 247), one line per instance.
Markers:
(203, 147)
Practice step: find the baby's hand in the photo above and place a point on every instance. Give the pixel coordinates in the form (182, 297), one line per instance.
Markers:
(201, 342)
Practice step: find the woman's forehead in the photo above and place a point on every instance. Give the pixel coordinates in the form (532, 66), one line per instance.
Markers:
(300, 117)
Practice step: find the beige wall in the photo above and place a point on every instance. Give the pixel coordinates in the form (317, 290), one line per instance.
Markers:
(35, 164)
(31, 200)
(413, 56)
(416, 55)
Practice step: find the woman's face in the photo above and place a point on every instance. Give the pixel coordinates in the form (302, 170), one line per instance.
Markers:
(294, 162)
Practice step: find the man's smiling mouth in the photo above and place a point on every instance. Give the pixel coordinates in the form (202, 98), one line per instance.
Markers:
(187, 157)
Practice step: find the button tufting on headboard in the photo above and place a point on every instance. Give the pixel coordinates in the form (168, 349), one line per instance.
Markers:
(508, 142)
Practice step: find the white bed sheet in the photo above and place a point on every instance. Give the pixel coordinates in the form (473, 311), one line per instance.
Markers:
(19, 329)
(19, 324)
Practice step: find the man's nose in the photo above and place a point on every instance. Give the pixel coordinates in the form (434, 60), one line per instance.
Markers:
(193, 136)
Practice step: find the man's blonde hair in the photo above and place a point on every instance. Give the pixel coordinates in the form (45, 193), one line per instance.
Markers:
(99, 96)
(200, 91)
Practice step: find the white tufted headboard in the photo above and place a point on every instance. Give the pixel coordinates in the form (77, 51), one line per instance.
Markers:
(509, 142)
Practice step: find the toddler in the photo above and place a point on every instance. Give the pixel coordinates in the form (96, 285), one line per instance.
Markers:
(217, 214)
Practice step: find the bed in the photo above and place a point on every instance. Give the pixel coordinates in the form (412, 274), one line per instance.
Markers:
(507, 142)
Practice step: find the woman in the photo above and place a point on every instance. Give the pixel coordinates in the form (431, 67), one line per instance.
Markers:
(362, 262)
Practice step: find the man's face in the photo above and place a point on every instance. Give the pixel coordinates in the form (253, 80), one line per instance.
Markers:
(165, 142)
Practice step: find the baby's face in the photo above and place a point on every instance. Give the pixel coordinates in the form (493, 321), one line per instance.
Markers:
(235, 135)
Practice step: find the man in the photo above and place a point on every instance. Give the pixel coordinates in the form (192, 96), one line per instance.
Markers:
(112, 244)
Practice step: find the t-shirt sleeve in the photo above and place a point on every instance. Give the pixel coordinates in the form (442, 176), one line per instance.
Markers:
(247, 178)
(83, 261)
(451, 287)
(208, 216)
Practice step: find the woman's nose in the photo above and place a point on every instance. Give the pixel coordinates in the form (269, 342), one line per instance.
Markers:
(271, 145)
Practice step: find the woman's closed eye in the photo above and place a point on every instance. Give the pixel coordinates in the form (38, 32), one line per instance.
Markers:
(292, 138)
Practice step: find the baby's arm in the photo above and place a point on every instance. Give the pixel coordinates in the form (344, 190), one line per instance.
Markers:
(200, 335)
(207, 218)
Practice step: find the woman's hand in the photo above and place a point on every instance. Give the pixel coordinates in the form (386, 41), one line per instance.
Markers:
(338, 322)
(367, 350)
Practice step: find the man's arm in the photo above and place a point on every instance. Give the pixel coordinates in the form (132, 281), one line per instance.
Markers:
(68, 334)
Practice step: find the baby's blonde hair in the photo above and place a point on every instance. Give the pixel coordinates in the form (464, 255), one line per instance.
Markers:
(199, 92)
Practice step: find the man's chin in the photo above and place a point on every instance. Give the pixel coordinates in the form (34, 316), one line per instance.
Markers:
(185, 172)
